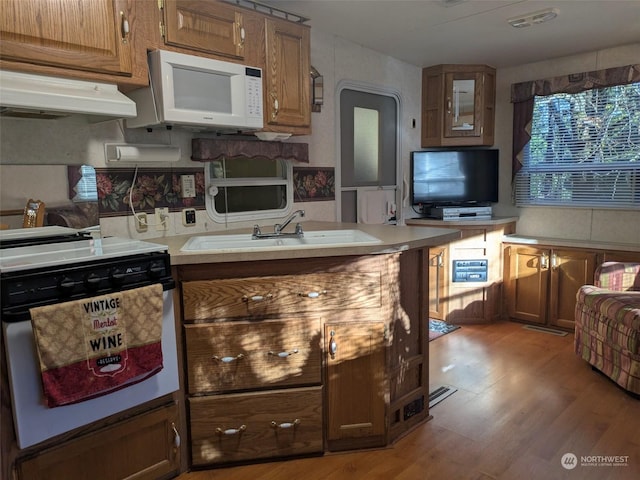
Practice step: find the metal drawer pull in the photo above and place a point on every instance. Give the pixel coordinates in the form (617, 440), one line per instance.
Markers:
(284, 354)
(257, 298)
(333, 345)
(312, 294)
(242, 36)
(282, 426)
(228, 359)
(176, 436)
(124, 28)
(231, 431)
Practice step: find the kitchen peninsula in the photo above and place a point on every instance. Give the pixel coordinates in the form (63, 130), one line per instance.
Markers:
(303, 350)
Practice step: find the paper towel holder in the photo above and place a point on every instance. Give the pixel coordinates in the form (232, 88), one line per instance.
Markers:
(140, 153)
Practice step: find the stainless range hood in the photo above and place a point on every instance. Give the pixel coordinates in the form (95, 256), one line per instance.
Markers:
(39, 96)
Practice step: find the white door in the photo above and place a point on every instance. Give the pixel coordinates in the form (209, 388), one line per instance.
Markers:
(368, 164)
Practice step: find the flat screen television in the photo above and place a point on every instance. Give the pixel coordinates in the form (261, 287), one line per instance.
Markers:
(454, 177)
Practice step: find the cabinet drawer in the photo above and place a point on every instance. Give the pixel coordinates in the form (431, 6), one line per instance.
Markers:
(259, 296)
(246, 426)
(243, 355)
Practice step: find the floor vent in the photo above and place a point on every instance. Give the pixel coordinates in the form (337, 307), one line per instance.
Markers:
(440, 394)
(550, 331)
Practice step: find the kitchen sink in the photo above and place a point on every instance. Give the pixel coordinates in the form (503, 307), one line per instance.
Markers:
(311, 239)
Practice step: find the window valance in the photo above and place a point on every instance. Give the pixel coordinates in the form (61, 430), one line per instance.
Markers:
(211, 149)
(575, 82)
(523, 94)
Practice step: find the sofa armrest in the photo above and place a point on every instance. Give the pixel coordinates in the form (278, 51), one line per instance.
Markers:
(621, 276)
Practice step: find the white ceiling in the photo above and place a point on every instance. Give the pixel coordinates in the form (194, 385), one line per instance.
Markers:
(426, 32)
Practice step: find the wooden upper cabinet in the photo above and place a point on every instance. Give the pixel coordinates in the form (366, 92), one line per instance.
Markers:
(287, 100)
(210, 27)
(458, 105)
(87, 35)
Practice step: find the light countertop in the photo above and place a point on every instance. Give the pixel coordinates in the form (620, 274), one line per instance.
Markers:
(393, 238)
(568, 243)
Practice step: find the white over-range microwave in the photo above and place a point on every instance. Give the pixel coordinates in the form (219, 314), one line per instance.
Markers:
(199, 92)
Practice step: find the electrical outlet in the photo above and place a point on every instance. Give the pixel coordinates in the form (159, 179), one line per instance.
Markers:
(142, 224)
(188, 186)
(162, 218)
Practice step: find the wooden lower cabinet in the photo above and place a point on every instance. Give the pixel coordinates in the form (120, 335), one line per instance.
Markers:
(542, 283)
(303, 356)
(459, 300)
(244, 426)
(356, 384)
(145, 447)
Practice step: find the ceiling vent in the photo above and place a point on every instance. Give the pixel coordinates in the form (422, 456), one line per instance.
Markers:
(533, 18)
(451, 3)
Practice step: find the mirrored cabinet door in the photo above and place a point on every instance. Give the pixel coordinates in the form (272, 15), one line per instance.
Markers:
(460, 114)
(458, 105)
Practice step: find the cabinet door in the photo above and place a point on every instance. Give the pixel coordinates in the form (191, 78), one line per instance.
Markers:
(287, 75)
(91, 35)
(210, 27)
(570, 269)
(528, 283)
(458, 105)
(355, 384)
(438, 261)
(145, 447)
(463, 104)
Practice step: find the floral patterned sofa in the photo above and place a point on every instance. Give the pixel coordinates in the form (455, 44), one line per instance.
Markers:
(607, 331)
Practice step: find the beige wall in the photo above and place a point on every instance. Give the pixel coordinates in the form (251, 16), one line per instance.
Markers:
(72, 141)
(574, 223)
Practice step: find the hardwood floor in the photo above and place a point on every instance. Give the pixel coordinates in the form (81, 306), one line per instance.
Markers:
(524, 400)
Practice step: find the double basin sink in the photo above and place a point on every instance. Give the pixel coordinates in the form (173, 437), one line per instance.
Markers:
(311, 239)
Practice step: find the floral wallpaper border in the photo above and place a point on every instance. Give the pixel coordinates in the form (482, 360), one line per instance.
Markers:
(160, 187)
(314, 184)
(154, 187)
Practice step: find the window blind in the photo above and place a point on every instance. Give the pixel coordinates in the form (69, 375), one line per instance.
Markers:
(584, 150)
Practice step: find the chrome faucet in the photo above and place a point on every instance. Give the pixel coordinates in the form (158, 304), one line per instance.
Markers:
(279, 227)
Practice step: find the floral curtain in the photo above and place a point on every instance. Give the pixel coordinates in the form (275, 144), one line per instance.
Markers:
(523, 94)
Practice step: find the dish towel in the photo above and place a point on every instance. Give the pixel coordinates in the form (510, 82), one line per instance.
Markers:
(97, 345)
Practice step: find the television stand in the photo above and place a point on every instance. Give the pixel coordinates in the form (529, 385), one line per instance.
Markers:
(461, 212)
